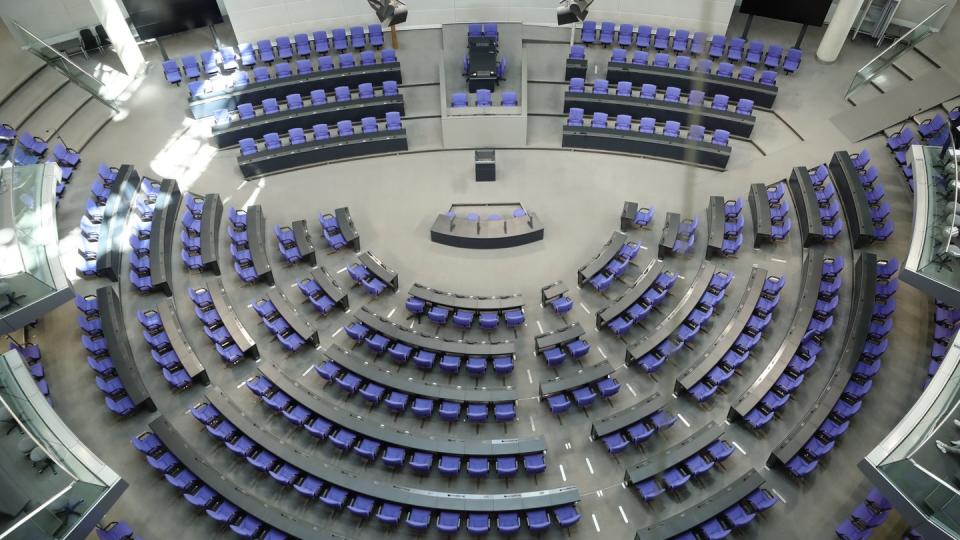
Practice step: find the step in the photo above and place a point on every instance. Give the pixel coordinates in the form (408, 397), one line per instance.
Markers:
(889, 79)
(87, 122)
(18, 65)
(31, 96)
(57, 111)
(913, 64)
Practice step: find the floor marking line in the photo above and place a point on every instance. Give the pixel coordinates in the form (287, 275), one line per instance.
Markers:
(563, 474)
(584, 308)
(600, 350)
(623, 515)
(529, 376)
(682, 419)
(644, 247)
(241, 385)
(779, 496)
(595, 524)
(335, 334)
(781, 261)
(342, 270)
(533, 427)
(632, 391)
(738, 447)
(589, 465)
(392, 311)
(307, 371)
(540, 326)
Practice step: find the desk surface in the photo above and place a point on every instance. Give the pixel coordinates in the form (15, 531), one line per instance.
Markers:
(301, 236)
(210, 220)
(486, 234)
(671, 229)
(469, 302)
(257, 240)
(112, 232)
(596, 265)
(763, 95)
(115, 332)
(583, 377)
(760, 211)
(346, 226)
(379, 269)
(554, 290)
(330, 287)
(716, 217)
(853, 197)
(415, 339)
(627, 417)
(807, 206)
(162, 234)
(632, 295)
(178, 342)
(655, 145)
(290, 314)
(310, 153)
(483, 57)
(660, 461)
(558, 337)
(405, 439)
(417, 387)
(229, 317)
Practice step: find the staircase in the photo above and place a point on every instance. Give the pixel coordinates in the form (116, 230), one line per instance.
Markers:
(874, 19)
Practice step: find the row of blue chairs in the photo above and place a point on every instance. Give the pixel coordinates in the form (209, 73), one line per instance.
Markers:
(705, 66)
(699, 316)
(30, 353)
(464, 318)
(672, 94)
(371, 449)
(321, 132)
(678, 476)
(687, 233)
(584, 396)
(272, 319)
(737, 50)
(671, 128)
(946, 319)
(473, 216)
(488, 30)
(283, 70)
(363, 277)
(331, 231)
(190, 251)
(213, 326)
(91, 220)
(868, 515)
(749, 337)
(639, 432)
(484, 99)
(161, 351)
(857, 387)
(732, 227)
(311, 290)
(781, 224)
(420, 406)
(617, 266)
(556, 355)
(139, 240)
(736, 517)
(287, 243)
(246, 111)
(810, 346)
(652, 297)
(95, 343)
(401, 353)
(200, 495)
(240, 243)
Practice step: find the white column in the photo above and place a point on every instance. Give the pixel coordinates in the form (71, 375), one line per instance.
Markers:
(838, 30)
(112, 19)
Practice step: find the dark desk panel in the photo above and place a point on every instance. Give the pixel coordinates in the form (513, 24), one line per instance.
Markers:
(856, 209)
(728, 337)
(628, 215)
(178, 342)
(669, 325)
(483, 64)
(472, 303)
(861, 311)
(417, 340)
(806, 205)
(505, 233)
(331, 287)
(583, 377)
(627, 417)
(210, 103)
(761, 94)
(671, 230)
(575, 68)
(737, 124)
(247, 503)
(115, 332)
(324, 113)
(647, 144)
(416, 387)
(678, 453)
(210, 232)
(380, 270)
(301, 236)
(687, 519)
(347, 228)
(810, 288)
(291, 156)
(385, 491)
(113, 231)
(554, 290)
(162, 233)
(230, 319)
(558, 337)
(597, 264)
(257, 241)
(716, 217)
(405, 439)
(760, 214)
(290, 314)
(633, 294)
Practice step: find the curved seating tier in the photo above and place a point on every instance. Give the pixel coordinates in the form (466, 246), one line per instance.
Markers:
(371, 273)
(215, 311)
(807, 203)
(440, 306)
(853, 197)
(201, 232)
(248, 239)
(284, 321)
(582, 387)
(208, 97)
(339, 489)
(672, 468)
(556, 344)
(400, 394)
(611, 263)
(169, 346)
(620, 315)
(323, 292)
(635, 424)
(339, 230)
(162, 233)
(371, 440)
(113, 216)
(760, 213)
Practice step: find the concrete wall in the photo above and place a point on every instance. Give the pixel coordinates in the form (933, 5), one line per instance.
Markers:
(260, 19)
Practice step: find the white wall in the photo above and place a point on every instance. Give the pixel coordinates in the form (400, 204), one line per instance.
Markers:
(50, 19)
(263, 19)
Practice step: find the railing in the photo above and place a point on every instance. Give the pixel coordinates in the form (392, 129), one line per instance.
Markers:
(902, 45)
(56, 60)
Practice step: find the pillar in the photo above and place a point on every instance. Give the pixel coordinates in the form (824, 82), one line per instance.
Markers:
(111, 17)
(838, 30)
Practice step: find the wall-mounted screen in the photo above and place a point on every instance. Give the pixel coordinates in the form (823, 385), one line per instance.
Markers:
(156, 18)
(811, 12)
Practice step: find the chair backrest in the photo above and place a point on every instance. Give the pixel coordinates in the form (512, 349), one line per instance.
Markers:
(721, 137)
(673, 93)
(641, 58)
(578, 52)
(619, 55)
(474, 30)
(696, 133)
(769, 78)
(601, 86)
(271, 140)
(283, 70)
(672, 128)
(390, 88)
(304, 66)
(661, 60)
(248, 146)
(704, 65)
(321, 131)
(577, 84)
(484, 98)
(388, 56)
(682, 63)
(745, 106)
(342, 93)
(270, 106)
(721, 101)
(490, 30)
(365, 90)
(317, 97)
(648, 91)
(460, 99)
(344, 127)
(325, 63)
(297, 136)
(624, 121)
(170, 66)
(393, 121)
(368, 58)
(647, 124)
(599, 120)
(695, 97)
(346, 60)
(509, 99)
(261, 74)
(725, 69)
(576, 117)
(369, 124)
(624, 88)
(294, 101)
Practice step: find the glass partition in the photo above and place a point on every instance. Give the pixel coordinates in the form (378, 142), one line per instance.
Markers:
(936, 255)
(903, 44)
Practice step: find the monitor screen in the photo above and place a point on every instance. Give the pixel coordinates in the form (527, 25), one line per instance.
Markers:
(156, 18)
(811, 12)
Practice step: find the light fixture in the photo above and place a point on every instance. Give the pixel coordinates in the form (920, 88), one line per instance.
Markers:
(572, 11)
(390, 12)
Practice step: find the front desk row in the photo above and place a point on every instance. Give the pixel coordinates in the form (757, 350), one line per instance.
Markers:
(646, 140)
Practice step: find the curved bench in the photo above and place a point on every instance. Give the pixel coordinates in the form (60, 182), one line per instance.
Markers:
(112, 237)
(633, 295)
(162, 233)
(691, 457)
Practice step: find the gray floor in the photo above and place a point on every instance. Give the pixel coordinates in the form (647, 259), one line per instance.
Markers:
(578, 195)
